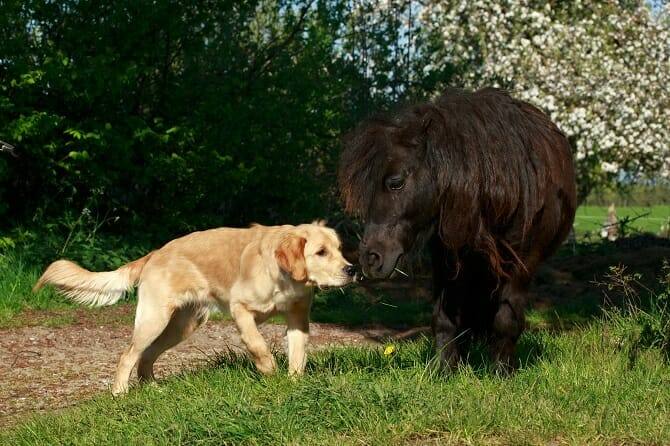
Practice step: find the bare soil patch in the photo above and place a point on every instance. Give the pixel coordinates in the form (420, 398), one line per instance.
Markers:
(44, 368)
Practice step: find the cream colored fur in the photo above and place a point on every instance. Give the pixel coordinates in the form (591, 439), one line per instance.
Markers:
(254, 273)
(88, 288)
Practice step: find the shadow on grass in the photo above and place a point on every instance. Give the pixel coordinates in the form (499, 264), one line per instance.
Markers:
(563, 294)
(565, 290)
(339, 360)
(353, 308)
(417, 354)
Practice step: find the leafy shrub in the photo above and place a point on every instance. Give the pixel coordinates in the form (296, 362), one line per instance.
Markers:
(641, 319)
(77, 238)
(173, 115)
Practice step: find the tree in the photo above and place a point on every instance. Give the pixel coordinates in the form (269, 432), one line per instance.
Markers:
(188, 113)
(600, 69)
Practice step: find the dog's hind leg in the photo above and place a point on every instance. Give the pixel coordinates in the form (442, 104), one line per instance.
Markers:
(185, 320)
(150, 321)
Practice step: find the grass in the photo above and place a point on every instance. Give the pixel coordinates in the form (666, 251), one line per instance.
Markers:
(591, 218)
(577, 387)
(353, 309)
(17, 278)
(563, 315)
(19, 306)
(587, 378)
(24, 254)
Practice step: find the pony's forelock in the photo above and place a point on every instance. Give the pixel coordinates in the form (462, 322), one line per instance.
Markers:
(359, 168)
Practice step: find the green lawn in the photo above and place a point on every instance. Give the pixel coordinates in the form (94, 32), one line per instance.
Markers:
(576, 387)
(584, 380)
(591, 218)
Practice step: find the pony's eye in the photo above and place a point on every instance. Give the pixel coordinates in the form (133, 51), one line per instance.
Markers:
(321, 252)
(395, 182)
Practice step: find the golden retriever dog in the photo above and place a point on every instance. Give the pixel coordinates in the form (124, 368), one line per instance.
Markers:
(253, 273)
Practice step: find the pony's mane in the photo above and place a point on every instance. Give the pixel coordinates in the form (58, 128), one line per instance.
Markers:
(490, 156)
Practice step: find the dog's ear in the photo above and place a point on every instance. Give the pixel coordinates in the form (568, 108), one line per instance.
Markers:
(290, 255)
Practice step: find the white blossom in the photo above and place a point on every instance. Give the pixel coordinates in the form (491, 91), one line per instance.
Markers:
(599, 69)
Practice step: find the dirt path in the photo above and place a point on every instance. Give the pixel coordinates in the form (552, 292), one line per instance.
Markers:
(44, 368)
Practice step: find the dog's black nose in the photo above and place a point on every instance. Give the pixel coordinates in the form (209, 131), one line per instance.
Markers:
(350, 270)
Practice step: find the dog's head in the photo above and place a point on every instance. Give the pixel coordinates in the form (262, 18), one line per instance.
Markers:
(311, 254)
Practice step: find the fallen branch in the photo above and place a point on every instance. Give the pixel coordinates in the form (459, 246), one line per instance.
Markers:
(7, 147)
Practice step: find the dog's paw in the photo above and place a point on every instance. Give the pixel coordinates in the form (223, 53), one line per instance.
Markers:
(266, 366)
(119, 389)
(295, 374)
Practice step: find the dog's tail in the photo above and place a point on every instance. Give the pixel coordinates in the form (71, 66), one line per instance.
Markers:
(94, 289)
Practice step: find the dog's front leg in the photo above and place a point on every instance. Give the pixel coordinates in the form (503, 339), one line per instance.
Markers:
(297, 320)
(252, 338)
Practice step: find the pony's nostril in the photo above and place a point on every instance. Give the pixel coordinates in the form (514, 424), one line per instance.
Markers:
(374, 259)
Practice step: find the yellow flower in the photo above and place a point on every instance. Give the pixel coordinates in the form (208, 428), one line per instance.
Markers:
(389, 350)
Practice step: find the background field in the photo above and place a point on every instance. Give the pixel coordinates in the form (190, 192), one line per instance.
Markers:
(646, 218)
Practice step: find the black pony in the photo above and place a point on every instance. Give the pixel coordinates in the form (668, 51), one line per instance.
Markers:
(489, 180)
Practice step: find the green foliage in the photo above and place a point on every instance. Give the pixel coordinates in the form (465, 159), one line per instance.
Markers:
(74, 237)
(642, 322)
(175, 115)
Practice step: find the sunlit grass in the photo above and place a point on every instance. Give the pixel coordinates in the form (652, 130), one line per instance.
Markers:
(591, 218)
(577, 387)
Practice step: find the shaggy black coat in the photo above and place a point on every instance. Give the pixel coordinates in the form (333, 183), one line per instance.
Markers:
(489, 180)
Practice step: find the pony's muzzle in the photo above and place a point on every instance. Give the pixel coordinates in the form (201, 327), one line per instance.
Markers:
(378, 263)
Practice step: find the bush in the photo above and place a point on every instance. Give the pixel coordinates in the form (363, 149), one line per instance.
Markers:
(191, 114)
(641, 320)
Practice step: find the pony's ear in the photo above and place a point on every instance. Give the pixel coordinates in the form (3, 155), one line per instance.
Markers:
(432, 122)
(433, 135)
(290, 255)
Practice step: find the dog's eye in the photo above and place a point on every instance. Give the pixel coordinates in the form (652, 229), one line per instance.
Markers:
(321, 252)
(395, 182)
